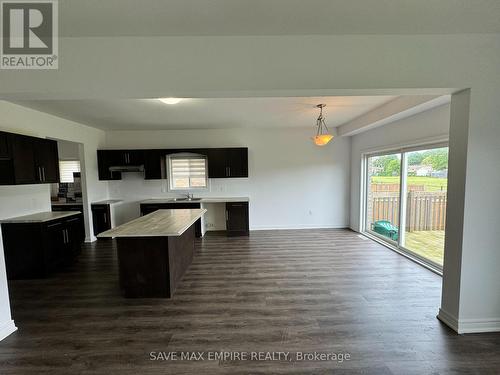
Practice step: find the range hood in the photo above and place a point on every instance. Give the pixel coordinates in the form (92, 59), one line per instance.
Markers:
(127, 168)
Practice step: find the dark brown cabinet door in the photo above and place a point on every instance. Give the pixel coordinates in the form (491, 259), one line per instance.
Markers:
(46, 160)
(101, 218)
(4, 146)
(237, 162)
(237, 223)
(23, 157)
(227, 162)
(74, 237)
(106, 159)
(54, 248)
(154, 164)
(6, 163)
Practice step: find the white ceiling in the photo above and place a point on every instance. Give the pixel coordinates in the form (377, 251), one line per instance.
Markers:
(151, 114)
(276, 17)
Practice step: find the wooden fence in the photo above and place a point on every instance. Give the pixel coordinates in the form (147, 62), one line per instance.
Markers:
(424, 210)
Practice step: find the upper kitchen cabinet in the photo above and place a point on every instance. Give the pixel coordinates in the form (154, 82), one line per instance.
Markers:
(228, 162)
(106, 159)
(27, 160)
(23, 156)
(46, 160)
(154, 164)
(117, 158)
(4, 145)
(6, 163)
(222, 162)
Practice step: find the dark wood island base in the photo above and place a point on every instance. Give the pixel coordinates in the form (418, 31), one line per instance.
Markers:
(154, 266)
(154, 251)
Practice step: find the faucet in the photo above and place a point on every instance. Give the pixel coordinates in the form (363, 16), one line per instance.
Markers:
(189, 196)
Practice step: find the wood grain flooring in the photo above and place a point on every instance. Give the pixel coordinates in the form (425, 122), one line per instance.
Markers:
(294, 291)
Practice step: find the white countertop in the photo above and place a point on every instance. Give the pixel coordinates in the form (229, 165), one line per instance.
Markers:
(40, 217)
(109, 201)
(202, 200)
(66, 203)
(161, 223)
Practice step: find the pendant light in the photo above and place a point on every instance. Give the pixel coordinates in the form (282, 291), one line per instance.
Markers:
(323, 136)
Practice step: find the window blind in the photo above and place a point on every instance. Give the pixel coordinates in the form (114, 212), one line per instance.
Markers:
(67, 168)
(188, 172)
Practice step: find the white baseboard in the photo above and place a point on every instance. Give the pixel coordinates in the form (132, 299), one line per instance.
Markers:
(448, 319)
(469, 325)
(478, 325)
(90, 239)
(295, 227)
(7, 328)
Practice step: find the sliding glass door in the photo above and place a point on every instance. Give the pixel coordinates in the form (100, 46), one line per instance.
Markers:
(383, 191)
(405, 200)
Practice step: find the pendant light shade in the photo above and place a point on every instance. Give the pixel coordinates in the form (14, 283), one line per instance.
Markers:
(323, 136)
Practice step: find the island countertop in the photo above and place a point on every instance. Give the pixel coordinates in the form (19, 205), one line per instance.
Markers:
(161, 223)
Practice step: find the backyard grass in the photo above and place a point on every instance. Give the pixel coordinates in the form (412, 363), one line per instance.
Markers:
(429, 244)
(430, 183)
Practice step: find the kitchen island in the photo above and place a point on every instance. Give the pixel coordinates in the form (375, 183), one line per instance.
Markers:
(154, 251)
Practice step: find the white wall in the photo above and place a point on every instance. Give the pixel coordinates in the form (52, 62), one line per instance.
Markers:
(26, 199)
(68, 150)
(425, 126)
(292, 183)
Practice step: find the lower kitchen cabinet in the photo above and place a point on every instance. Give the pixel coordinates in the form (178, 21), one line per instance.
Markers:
(36, 249)
(101, 218)
(237, 219)
(72, 207)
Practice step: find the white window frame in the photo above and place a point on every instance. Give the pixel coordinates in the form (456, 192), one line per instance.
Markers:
(186, 155)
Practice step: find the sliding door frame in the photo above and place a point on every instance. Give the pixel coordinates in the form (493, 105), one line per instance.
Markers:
(402, 150)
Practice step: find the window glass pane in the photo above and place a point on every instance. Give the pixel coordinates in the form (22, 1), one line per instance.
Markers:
(67, 168)
(426, 187)
(382, 200)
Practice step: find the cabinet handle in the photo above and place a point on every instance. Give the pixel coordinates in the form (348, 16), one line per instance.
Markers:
(105, 218)
(67, 236)
(71, 220)
(227, 215)
(64, 235)
(43, 173)
(40, 174)
(229, 170)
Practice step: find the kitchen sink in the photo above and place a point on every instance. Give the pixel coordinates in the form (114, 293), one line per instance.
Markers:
(186, 199)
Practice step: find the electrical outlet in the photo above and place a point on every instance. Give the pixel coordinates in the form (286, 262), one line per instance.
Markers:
(210, 225)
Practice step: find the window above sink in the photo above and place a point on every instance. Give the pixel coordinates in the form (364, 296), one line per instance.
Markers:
(187, 172)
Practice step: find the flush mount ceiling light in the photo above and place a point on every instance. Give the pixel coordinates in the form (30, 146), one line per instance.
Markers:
(170, 100)
(323, 136)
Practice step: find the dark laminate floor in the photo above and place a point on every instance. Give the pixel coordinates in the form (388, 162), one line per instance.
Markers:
(321, 290)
